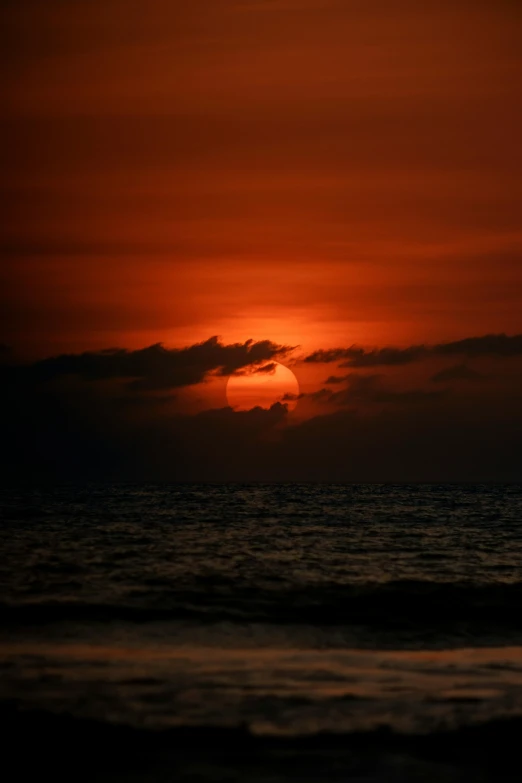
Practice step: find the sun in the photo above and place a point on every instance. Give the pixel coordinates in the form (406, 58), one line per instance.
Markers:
(262, 387)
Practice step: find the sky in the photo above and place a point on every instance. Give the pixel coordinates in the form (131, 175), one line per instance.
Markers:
(207, 187)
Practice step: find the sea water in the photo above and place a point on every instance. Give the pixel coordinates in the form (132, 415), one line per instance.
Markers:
(292, 610)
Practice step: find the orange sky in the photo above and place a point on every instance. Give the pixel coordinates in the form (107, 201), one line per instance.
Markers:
(315, 172)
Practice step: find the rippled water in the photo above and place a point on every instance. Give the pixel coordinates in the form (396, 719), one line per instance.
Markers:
(289, 608)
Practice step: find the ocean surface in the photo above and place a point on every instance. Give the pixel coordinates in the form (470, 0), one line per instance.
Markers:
(279, 614)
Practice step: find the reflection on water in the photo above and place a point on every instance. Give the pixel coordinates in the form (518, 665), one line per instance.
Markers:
(149, 680)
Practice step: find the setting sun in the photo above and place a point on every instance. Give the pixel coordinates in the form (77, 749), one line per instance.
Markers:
(263, 387)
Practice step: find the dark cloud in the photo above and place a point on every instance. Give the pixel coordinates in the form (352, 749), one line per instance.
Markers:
(265, 369)
(446, 439)
(290, 397)
(326, 395)
(334, 379)
(457, 372)
(360, 357)
(494, 345)
(371, 389)
(367, 430)
(157, 367)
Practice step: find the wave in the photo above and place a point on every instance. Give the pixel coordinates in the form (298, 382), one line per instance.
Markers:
(394, 606)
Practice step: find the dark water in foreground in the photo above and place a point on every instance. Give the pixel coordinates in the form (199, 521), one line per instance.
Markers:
(275, 613)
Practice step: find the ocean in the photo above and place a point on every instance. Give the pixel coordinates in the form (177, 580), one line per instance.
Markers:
(263, 632)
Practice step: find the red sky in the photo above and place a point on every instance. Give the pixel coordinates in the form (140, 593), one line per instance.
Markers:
(311, 173)
(315, 172)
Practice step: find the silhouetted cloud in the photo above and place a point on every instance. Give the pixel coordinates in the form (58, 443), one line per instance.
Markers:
(290, 397)
(371, 389)
(494, 345)
(360, 357)
(334, 379)
(457, 372)
(157, 367)
(265, 369)
(370, 427)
